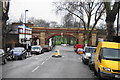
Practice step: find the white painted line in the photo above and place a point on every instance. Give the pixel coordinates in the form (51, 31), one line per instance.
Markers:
(47, 59)
(50, 56)
(35, 69)
(36, 58)
(42, 63)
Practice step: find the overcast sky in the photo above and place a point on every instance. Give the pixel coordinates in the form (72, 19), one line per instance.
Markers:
(40, 9)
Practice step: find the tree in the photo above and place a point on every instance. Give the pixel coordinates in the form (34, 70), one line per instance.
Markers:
(111, 12)
(85, 11)
(53, 24)
(5, 17)
(21, 19)
(38, 22)
(68, 21)
(77, 24)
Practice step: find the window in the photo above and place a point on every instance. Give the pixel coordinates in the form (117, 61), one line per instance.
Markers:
(109, 53)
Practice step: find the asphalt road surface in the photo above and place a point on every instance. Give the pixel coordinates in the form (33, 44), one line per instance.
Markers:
(46, 66)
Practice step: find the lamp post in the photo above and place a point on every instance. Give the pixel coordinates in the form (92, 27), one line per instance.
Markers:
(118, 19)
(25, 16)
(25, 29)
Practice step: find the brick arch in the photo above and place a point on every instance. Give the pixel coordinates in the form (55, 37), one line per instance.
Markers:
(64, 34)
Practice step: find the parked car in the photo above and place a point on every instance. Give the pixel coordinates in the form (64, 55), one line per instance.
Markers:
(3, 57)
(18, 52)
(91, 61)
(80, 51)
(77, 46)
(64, 45)
(36, 49)
(87, 54)
(46, 48)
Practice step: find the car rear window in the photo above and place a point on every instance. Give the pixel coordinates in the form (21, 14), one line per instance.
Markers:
(90, 50)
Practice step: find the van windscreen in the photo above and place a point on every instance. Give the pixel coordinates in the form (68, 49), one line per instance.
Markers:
(109, 53)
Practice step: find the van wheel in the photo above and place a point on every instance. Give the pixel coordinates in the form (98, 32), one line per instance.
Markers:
(99, 75)
(95, 72)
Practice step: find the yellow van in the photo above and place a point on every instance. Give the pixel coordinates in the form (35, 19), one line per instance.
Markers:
(107, 60)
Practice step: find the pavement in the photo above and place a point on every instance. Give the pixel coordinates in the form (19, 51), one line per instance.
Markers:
(46, 66)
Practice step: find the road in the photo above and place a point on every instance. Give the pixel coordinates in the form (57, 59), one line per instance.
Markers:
(45, 66)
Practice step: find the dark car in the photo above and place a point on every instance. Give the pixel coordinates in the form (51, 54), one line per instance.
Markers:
(3, 57)
(91, 61)
(46, 48)
(18, 52)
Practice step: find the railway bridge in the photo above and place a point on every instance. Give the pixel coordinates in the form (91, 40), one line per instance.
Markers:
(43, 34)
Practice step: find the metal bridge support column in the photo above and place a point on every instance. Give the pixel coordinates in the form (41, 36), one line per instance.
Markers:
(42, 38)
(80, 38)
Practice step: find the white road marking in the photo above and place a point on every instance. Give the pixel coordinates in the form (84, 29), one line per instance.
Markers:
(35, 69)
(50, 56)
(42, 63)
(36, 58)
(47, 59)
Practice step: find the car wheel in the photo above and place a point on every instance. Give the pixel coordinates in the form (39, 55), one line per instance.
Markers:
(42, 51)
(25, 57)
(83, 61)
(4, 62)
(22, 57)
(89, 66)
(13, 57)
(16, 58)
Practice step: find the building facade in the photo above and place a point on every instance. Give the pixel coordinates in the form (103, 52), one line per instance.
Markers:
(20, 35)
(25, 35)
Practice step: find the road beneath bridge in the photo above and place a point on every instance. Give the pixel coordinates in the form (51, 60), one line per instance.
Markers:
(45, 66)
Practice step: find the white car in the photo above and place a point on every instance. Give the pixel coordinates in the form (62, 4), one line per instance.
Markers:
(36, 50)
(87, 54)
(64, 45)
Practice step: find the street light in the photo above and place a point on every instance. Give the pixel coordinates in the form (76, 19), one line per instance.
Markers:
(25, 16)
(118, 19)
(25, 29)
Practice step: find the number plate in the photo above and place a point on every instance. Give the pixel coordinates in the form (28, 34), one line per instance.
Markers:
(117, 76)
